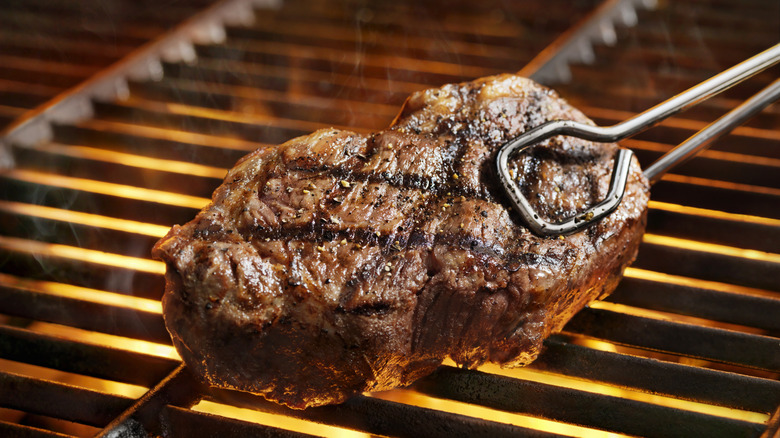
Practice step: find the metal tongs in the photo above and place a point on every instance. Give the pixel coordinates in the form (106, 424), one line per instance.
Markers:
(699, 141)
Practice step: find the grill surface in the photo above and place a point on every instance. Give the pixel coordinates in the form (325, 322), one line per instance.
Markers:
(687, 346)
(47, 47)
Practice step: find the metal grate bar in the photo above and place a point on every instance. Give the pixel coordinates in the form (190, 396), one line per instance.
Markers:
(9, 114)
(746, 310)
(250, 101)
(382, 417)
(115, 320)
(12, 95)
(184, 422)
(376, 67)
(723, 166)
(657, 377)
(690, 340)
(70, 51)
(295, 81)
(119, 11)
(74, 234)
(26, 346)
(750, 38)
(736, 231)
(564, 404)
(14, 430)
(708, 265)
(711, 194)
(773, 426)
(622, 97)
(270, 129)
(743, 140)
(60, 44)
(158, 143)
(59, 400)
(179, 387)
(463, 21)
(80, 195)
(41, 72)
(45, 31)
(296, 77)
(116, 168)
(686, 68)
(53, 24)
(500, 54)
(68, 265)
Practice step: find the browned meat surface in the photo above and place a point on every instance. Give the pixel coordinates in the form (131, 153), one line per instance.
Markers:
(338, 263)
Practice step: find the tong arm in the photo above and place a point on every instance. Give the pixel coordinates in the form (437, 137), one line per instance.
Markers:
(630, 127)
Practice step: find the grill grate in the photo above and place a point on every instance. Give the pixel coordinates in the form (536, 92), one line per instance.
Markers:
(687, 345)
(48, 46)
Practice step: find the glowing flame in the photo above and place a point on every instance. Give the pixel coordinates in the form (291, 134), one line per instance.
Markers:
(132, 160)
(663, 277)
(694, 245)
(223, 141)
(727, 185)
(94, 383)
(82, 254)
(715, 214)
(107, 340)
(82, 293)
(106, 188)
(475, 411)
(89, 219)
(532, 375)
(280, 421)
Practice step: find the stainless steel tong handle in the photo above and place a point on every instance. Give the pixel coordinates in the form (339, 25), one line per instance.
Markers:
(632, 126)
(702, 139)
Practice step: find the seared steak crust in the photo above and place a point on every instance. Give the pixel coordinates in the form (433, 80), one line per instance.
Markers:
(338, 263)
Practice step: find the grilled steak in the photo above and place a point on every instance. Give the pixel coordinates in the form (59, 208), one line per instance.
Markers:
(338, 263)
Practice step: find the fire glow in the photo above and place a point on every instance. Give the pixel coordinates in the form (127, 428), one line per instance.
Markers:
(132, 160)
(106, 188)
(81, 218)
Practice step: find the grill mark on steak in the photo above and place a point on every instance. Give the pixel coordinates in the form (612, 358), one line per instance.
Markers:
(370, 309)
(365, 237)
(433, 185)
(355, 172)
(318, 228)
(314, 225)
(406, 181)
(411, 228)
(315, 221)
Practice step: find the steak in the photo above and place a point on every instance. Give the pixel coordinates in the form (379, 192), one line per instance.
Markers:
(338, 263)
